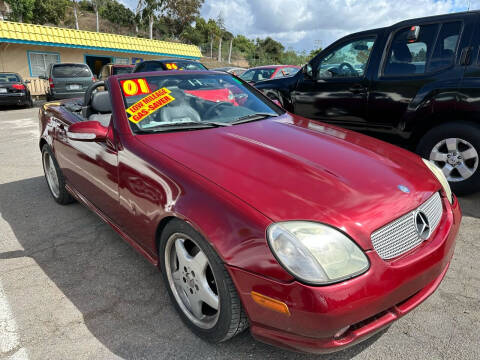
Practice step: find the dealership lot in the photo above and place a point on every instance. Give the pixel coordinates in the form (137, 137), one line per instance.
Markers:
(70, 288)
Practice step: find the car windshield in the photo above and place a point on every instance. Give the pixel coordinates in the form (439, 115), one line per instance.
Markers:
(185, 101)
(184, 65)
(256, 75)
(71, 70)
(7, 78)
(122, 70)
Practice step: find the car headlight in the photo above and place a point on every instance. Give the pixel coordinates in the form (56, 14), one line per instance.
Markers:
(441, 179)
(315, 253)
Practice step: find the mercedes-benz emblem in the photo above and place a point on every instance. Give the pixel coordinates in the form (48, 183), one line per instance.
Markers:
(422, 225)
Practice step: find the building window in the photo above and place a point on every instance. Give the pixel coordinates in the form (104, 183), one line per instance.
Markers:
(121, 61)
(39, 62)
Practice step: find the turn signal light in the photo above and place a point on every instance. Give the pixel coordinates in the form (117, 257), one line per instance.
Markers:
(18, 86)
(269, 303)
(50, 82)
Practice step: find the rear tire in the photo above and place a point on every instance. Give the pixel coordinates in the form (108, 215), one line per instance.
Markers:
(221, 315)
(54, 177)
(455, 148)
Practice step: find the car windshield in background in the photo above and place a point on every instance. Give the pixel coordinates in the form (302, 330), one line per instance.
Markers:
(186, 101)
(184, 65)
(122, 70)
(71, 70)
(256, 75)
(7, 78)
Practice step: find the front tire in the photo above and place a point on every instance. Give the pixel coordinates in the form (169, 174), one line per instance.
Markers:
(199, 285)
(455, 148)
(54, 177)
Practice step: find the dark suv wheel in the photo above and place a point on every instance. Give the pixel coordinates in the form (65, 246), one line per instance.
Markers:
(455, 148)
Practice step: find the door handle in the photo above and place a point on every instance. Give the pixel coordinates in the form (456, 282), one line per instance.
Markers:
(358, 89)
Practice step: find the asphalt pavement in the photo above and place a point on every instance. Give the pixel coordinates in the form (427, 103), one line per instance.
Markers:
(71, 288)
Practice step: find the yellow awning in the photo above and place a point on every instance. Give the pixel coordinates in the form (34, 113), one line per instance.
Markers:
(12, 32)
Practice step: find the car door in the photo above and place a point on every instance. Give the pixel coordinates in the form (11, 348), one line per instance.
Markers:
(413, 69)
(90, 167)
(336, 89)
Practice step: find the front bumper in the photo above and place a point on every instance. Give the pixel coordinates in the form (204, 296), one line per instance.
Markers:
(366, 304)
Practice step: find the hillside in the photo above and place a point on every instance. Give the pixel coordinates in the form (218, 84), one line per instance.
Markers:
(87, 21)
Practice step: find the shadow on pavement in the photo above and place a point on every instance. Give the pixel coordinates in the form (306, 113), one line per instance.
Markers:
(121, 296)
(470, 205)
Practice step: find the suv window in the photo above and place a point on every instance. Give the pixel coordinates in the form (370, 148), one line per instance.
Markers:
(446, 47)
(409, 58)
(71, 70)
(348, 60)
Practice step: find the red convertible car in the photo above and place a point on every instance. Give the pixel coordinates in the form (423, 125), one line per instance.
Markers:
(313, 236)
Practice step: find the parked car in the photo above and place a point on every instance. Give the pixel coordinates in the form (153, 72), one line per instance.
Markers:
(14, 90)
(249, 220)
(261, 73)
(168, 64)
(416, 81)
(232, 70)
(67, 80)
(114, 69)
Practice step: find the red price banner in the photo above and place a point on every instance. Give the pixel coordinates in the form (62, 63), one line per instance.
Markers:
(133, 87)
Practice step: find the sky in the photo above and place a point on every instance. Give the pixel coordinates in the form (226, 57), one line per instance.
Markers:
(303, 25)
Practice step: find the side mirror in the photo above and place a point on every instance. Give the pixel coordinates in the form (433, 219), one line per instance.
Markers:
(43, 77)
(87, 131)
(308, 70)
(27, 81)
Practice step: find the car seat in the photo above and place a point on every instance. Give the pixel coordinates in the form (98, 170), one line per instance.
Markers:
(101, 108)
(399, 63)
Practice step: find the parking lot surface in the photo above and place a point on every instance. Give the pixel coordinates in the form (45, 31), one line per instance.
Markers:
(71, 288)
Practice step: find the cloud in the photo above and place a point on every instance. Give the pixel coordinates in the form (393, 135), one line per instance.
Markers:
(307, 24)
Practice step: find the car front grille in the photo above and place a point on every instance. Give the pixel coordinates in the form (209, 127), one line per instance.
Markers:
(399, 236)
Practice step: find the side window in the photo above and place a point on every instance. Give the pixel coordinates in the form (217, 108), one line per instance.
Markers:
(409, 57)
(348, 60)
(281, 73)
(446, 47)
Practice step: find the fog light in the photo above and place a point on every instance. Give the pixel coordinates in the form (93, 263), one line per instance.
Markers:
(272, 304)
(341, 332)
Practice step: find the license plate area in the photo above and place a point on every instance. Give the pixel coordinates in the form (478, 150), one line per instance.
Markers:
(3, 90)
(74, 87)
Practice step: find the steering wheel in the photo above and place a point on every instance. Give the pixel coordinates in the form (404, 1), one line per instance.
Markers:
(87, 98)
(215, 107)
(350, 68)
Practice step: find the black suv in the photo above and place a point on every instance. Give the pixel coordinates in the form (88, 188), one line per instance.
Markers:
(418, 80)
(168, 64)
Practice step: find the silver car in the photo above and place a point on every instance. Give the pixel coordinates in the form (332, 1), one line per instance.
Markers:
(67, 80)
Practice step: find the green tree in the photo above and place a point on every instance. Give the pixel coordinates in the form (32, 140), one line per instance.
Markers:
(117, 13)
(22, 10)
(181, 13)
(49, 11)
(150, 12)
(314, 53)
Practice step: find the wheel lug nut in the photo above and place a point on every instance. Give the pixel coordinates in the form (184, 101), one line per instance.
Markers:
(196, 287)
(185, 268)
(191, 291)
(184, 280)
(193, 274)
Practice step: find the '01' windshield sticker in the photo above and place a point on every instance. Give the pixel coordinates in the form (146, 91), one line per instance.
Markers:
(133, 87)
(149, 104)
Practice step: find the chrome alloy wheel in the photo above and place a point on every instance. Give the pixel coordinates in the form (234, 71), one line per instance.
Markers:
(191, 280)
(457, 158)
(51, 174)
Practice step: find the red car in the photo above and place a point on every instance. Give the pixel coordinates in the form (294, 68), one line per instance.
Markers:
(260, 73)
(313, 236)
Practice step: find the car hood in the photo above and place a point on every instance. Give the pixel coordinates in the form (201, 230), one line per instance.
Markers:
(293, 168)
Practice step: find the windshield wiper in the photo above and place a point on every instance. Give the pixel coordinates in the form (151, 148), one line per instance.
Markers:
(253, 117)
(183, 125)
